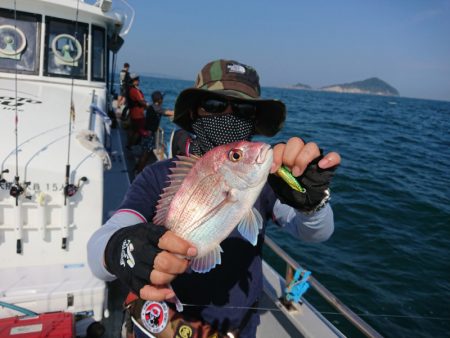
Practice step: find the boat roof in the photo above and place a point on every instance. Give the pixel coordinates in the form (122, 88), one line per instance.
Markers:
(69, 10)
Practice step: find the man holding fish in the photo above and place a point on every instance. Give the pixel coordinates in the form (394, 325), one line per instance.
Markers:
(191, 229)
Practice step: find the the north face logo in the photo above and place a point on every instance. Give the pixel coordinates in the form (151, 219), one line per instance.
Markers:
(235, 68)
(126, 254)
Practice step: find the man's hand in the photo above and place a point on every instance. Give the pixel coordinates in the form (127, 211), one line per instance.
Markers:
(311, 169)
(167, 265)
(169, 112)
(296, 155)
(147, 257)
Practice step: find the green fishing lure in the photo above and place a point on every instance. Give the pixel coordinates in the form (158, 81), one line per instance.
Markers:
(287, 176)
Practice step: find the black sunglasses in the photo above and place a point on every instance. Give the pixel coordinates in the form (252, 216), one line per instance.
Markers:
(219, 105)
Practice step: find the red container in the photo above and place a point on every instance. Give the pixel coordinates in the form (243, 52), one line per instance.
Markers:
(48, 325)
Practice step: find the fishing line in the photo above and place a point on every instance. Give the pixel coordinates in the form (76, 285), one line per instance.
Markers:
(238, 307)
(389, 315)
(31, 139)
(275, 309)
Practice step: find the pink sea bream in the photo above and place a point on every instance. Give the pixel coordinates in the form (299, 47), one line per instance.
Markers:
(208, 197)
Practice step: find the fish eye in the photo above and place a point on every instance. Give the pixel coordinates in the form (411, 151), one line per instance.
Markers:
(235, 155)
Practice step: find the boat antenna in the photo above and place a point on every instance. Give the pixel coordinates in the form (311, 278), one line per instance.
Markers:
(68, 191)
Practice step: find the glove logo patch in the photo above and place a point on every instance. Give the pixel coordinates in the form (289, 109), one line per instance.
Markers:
(154, 316)
(126, 254)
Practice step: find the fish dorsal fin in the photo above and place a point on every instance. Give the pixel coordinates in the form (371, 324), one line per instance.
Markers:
(178, 173)
(249, 225)
(207, 262)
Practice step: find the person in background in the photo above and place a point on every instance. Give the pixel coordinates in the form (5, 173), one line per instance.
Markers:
(153, 116)
(125, 83)
(224, 106)
(137, 105)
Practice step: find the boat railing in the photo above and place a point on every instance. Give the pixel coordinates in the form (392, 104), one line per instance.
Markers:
(160, 146)
(293, 266)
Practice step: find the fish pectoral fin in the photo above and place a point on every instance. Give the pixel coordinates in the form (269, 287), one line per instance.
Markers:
(250, 225)
(207, 262)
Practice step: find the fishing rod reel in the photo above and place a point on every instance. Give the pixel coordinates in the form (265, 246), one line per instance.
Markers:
(71, 189)
(17, 188)
(16, 191)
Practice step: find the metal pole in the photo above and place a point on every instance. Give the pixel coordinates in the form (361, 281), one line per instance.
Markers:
(359, 323)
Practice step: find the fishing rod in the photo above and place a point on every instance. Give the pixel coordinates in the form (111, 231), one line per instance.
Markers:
(69, 189)
(17, 189)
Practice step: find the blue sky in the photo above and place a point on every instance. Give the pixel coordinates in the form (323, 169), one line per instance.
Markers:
(405, 43)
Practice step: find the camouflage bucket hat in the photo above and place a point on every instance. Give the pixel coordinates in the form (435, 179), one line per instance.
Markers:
(231, 79)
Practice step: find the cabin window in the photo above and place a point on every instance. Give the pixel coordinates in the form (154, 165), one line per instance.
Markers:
(66, 48)
(19, 42)
(98, 56)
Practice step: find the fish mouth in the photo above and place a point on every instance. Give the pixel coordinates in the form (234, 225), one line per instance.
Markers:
(263, 154)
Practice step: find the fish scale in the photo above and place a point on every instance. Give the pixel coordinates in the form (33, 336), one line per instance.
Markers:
(189, 204)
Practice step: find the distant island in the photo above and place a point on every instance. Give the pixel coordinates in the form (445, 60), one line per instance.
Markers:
(301, 86)
(373, 86)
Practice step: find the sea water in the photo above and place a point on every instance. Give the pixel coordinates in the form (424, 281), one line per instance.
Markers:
(389, 257)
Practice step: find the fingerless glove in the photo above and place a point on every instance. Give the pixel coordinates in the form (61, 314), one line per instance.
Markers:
(314, 179)
(131, 252)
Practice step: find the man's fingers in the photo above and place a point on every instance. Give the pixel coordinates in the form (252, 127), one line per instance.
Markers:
(277, 157)
(161, 278)
(330, 160)
(169, 263)
(293, 147)
(296, 155)
(307, 154)
(156, 293)
(176, 245)
(285, 154)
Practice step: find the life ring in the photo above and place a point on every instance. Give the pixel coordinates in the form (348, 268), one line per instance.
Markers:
(64, 57)
(9, 40)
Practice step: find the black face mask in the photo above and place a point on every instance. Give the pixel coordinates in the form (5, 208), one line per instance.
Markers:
(216, 130)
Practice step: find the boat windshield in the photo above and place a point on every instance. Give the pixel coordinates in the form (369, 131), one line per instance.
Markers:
(98, 54)
(65, 50)
(19, 42)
